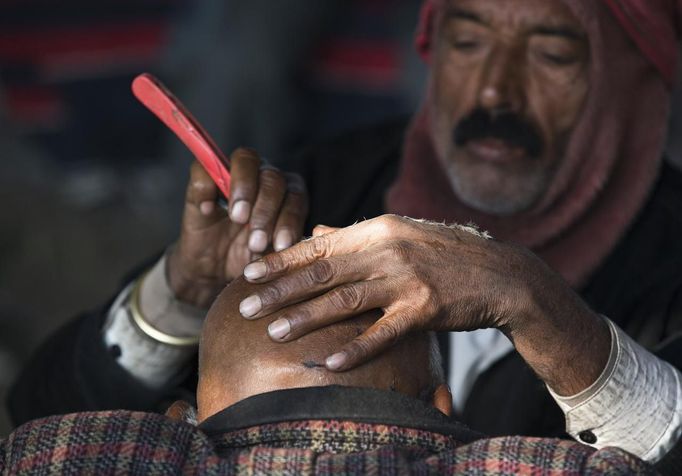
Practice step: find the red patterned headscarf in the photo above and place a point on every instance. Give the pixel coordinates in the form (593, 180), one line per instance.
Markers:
(612, 160)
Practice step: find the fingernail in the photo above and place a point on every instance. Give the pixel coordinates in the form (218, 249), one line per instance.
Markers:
(206, 208)
(240, 212)
(283, 240)
(258, 241)
(250, 306)
(279, 329)
(336, 361)
(255, 271)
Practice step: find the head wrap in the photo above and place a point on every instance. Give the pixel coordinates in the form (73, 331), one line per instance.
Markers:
(610, 165)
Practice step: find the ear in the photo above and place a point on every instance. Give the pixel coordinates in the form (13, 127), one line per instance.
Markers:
(442, 399)
(178, 410)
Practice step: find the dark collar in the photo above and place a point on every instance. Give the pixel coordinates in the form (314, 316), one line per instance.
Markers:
(360, 405)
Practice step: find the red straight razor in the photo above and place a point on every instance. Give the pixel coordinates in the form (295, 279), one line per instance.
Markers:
(159, 100)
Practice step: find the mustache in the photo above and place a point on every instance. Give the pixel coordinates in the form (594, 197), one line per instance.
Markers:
(506, 126)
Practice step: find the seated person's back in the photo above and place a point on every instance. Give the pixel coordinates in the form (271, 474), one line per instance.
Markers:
(267, 408)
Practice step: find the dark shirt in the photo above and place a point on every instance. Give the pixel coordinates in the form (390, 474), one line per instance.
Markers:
(639, 287)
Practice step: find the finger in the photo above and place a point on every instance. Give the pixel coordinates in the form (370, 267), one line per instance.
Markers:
(237, 254)
(320, 230)
(340, 303)
(289, 227)
(385, 333)
(271, 192)
(200, 197)
(346, 240)
(201, 187)
(312, 281)
(207, 208)
(245, 171)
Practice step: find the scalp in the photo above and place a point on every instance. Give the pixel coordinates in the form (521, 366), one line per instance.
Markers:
(238, 357)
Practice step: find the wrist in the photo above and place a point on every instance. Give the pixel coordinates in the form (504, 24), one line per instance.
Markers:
(562, 339)
(186, 288)
(162, 310)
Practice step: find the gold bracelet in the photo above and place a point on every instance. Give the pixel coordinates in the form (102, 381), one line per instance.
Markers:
(147, 329)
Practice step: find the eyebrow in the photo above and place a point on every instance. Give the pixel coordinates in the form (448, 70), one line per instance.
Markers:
(460, 14)
(561, 31)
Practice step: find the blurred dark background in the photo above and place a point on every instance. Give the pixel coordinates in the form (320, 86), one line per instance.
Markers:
(91, 184)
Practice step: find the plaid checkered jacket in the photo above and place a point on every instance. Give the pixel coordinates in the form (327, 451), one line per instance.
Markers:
(122, 442)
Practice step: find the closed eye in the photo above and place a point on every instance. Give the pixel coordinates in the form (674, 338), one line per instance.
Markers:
(465, 45)
(559, 60)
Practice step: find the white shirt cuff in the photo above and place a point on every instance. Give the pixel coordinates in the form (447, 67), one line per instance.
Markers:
(635, 404)
(163, 311)
(152, 363)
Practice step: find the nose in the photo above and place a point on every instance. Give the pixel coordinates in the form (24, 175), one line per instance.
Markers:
(502, 86)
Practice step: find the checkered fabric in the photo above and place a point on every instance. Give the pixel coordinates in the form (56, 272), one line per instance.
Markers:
(121, 442)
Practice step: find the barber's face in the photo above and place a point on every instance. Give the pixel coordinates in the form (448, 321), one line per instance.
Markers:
(508, 83)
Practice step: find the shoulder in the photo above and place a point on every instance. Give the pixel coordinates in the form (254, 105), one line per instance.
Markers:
(639, 286)
(543, 455)
(98, 442)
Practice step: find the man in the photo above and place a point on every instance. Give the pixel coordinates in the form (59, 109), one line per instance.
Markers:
(264, 408)
(528, 129)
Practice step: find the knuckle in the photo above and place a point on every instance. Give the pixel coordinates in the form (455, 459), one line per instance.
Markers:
(425, 297)
(388, 331)
(300, 321)
(346, 298)
(244, 153)
(386, 225)
(244, 189)
(392, 220)
(275, 263)
(273, 293)
(320, 272)
(319, 247)
(360, 349)
(401, 250)
(271, 178)
(381, 227)
(199, 184)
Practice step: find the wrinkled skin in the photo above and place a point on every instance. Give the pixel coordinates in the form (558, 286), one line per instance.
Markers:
(522, 58)
(528, 58)
(267, 210)
(237, 359)
(427, 276)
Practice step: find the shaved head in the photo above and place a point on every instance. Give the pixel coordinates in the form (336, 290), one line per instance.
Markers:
(237, 359)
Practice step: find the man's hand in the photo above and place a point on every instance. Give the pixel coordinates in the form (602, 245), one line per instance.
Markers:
(267, 211)
(427, 276)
